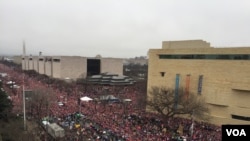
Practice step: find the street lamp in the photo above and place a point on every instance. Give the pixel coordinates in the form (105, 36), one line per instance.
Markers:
(192, 125)
(24, 112)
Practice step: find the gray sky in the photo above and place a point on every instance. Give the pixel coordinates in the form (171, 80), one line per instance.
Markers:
(118, 28)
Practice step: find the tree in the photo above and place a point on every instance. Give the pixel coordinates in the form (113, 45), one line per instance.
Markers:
(167, 103)
(135, 70)
(5, 104)
(39, 102)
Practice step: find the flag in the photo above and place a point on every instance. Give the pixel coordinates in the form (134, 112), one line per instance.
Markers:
(176, 90)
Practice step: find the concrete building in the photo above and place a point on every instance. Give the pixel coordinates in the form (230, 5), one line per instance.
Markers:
(71, 67)
(220, 75)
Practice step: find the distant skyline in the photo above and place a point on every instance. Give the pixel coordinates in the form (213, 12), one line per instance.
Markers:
(118, 28)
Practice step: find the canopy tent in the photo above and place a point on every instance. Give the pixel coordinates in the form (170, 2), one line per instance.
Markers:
(60, 103)
(107, 97)
(127, 100)
(85, 98)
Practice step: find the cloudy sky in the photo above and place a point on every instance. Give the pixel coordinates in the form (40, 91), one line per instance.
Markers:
(118, 28)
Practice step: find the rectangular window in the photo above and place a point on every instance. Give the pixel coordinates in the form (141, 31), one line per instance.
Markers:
(206, 56)
(200, 84)
(240, 117)
(56, 60)
(187, 84)
(162, 74)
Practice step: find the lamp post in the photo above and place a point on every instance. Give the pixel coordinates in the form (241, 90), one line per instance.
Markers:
(47, 119)
(192, 125)
(80, 105)
(24, 111)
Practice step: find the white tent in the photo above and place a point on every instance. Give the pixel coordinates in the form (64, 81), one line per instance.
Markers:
(127, 100)
(60, 103)
(85, 98)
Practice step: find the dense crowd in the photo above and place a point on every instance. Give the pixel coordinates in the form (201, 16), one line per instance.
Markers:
(104, 120)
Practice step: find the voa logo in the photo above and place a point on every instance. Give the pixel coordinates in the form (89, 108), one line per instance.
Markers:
(236, 132)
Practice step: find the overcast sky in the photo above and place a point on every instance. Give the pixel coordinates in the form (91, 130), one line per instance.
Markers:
(118, 28)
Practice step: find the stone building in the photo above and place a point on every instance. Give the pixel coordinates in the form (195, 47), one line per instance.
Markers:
(72, 67)
(220, 75)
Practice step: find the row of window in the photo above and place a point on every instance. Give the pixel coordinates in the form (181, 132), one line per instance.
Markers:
(46, 59)
(206, 56)
(240, 117)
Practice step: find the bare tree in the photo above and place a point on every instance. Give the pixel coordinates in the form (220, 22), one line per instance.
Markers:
(168, 103)
(40, 101)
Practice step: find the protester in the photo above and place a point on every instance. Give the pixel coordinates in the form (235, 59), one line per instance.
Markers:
(104, 121)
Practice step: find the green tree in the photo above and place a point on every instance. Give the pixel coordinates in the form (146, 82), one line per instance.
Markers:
(165, 102)
(5, 104)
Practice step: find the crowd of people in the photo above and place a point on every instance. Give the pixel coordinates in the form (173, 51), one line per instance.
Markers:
(100, 120)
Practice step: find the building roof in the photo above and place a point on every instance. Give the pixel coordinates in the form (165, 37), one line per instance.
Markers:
(110, 79)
